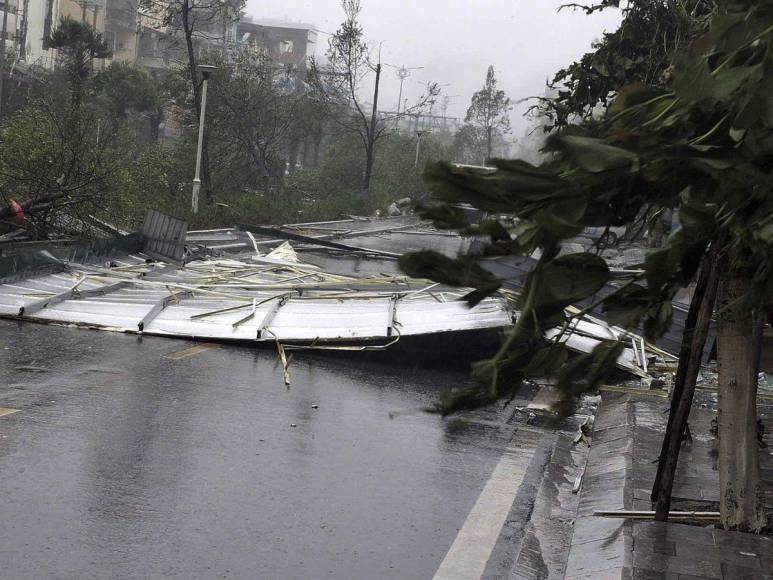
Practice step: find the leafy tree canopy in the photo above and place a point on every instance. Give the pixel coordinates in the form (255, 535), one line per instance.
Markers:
(640, 50)
(703, 144)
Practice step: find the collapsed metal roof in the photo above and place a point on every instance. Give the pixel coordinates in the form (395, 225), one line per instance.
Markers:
(336, 286)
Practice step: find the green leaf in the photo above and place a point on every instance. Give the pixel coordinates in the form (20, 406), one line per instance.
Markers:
(561, 220)
(444, 216)
(464, 272)
(586, 372)
(571, 278)
(626, 307)
(595, 156)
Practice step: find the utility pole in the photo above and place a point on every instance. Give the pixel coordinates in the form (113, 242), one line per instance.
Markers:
(206, 71)
(371, 134)
(374, 113)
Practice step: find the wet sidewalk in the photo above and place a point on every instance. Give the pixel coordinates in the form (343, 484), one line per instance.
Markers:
(619, 474)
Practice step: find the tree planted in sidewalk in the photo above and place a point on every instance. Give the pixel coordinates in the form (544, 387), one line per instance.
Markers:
(703, 143)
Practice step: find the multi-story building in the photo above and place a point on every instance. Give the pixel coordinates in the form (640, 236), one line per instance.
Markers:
(121, 27)
(142, 35)
(289, 44)
(9, 13)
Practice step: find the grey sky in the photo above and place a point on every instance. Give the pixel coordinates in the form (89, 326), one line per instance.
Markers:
(456, 40)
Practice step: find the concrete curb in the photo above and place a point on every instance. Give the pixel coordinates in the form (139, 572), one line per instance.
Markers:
(601, 548)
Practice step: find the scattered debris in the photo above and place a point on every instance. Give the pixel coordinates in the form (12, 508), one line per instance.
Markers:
(650, 515)
(584, 432)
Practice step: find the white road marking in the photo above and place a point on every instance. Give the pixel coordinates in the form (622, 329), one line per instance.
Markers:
(472, 548)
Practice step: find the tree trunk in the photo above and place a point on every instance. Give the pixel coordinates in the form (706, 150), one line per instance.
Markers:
(316, 147)
(741, 500)
(489, 137)
(690, 355)
(369, 159)
(292, 154)
(155, 121)
(185, 15)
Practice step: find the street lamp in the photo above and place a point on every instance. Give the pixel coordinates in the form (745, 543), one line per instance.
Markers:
(206, 71)
(403, 72)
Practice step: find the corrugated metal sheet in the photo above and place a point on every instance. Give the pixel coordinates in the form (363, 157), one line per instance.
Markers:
(233, 300)
(163, 236)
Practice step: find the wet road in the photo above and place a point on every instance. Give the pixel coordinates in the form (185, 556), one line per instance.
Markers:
(122, 462)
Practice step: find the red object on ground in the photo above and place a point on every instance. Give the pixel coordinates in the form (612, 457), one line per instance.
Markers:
(17, 211)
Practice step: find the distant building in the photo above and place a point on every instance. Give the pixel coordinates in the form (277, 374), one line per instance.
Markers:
(9, 12)
(121, 28)
(289, 44)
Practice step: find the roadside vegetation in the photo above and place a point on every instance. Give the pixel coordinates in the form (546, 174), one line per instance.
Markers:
(108, 141)
(671, 113)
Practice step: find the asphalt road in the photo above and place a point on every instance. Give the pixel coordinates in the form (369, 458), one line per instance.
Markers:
(123, 462)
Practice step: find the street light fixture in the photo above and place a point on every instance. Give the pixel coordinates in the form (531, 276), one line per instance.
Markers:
(403, 72)
(206, 72)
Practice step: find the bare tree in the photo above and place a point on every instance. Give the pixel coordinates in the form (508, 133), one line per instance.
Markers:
(338, 85)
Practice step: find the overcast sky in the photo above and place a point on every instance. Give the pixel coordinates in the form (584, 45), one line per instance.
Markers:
(456, 40)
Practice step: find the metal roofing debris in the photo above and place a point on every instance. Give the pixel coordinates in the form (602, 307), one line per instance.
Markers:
(163, 236)
(514, 269)
(238, 300)
(277, 297)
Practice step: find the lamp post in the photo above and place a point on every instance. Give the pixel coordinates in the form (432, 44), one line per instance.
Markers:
(206, 71)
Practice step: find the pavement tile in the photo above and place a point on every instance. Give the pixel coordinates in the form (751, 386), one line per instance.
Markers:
(674, 532)
(644, 574)
(608, 500)
(596, 556)
(732, 572)
(760, 545)
(592, 528)
(642, 493)
(610, 574)
(685, 564)
(655, 546)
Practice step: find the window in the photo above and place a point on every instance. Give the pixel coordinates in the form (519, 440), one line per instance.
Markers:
(285, 46)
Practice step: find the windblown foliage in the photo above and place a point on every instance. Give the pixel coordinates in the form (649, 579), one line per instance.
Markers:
(641, 50)
(704, 144)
